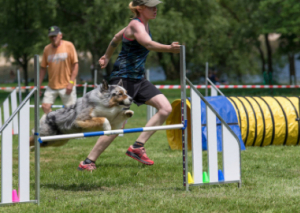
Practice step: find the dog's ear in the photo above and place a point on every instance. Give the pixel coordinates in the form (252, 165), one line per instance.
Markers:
(120, 83)
(104, 86)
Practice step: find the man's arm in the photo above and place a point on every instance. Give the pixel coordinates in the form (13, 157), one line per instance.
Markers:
(73, 78)
(74, 72)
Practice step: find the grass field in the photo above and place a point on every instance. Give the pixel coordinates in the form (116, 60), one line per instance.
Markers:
(270, 178)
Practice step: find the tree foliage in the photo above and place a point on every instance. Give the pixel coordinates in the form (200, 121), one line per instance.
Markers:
(225, 33)
(22, 29)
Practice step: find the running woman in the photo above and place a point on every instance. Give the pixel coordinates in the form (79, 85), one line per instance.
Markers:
(136, 41)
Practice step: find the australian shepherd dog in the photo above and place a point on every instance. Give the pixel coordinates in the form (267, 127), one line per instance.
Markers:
(104, 108)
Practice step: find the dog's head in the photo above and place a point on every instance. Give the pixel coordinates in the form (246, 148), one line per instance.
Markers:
(115, 95)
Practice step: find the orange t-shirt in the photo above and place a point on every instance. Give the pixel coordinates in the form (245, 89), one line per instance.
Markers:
(60, 62)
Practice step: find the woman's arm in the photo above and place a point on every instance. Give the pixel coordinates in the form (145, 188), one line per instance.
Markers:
(141, 35)
(103, 61)
(114, 43)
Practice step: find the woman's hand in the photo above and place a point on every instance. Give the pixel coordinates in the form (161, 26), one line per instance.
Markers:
(103, 61)
(175, 47)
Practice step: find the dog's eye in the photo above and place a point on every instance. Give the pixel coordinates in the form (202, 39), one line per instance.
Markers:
(114, 94)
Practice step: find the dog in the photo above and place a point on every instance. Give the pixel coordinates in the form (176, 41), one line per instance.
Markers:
(104, 108)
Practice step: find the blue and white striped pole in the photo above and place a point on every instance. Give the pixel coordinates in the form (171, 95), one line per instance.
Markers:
(52, 106)
(111, 132)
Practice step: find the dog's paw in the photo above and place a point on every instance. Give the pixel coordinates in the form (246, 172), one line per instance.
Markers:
(128, 113)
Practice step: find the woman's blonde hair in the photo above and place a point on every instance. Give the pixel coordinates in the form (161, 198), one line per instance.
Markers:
(134, 9)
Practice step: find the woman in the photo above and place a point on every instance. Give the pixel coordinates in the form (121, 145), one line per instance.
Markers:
(130, 67)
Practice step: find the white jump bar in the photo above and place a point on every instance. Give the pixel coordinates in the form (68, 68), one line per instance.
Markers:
(111, 132)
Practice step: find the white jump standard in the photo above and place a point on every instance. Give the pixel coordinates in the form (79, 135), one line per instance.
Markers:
(22, 113)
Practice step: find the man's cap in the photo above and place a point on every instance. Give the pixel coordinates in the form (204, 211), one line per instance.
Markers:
(148, 3)
(53, 31)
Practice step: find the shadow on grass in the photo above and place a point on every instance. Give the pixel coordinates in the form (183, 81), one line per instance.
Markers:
(117, 165)
(198, 187)
(77, 187)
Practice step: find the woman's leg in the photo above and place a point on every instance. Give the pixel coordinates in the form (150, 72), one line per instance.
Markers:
(102, 143)
(137, 150)
(164, 108)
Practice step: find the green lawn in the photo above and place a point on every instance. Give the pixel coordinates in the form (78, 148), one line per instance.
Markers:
(270, 178)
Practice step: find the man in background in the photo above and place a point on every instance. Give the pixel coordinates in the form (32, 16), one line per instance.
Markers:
(61, 59)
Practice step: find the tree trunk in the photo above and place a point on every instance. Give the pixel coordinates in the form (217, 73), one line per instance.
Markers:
(292, 68)
(25, 69)
(171, 69)
(93, 66)
(176, 66)
(269, 53)
(262, 57)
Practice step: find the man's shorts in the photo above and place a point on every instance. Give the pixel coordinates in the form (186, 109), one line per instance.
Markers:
(140, 90)
(51, 94)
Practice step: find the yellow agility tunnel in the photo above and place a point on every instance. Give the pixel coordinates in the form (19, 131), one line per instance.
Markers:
(262, 120)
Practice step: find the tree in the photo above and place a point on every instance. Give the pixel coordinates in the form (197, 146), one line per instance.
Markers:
(224, 33)
(22, 30)
(92, 24)
(289, 46)
(284, 19)
(168, 27)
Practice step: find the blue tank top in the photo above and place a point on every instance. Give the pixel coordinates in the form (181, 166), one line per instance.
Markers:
(131, 60)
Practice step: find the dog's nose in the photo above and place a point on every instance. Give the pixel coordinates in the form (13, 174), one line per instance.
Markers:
(130, 99)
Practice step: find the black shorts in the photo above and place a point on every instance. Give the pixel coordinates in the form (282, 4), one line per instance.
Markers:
(140, 90)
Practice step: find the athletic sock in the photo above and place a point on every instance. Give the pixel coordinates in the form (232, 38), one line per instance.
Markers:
(137, 145)
(88, 161)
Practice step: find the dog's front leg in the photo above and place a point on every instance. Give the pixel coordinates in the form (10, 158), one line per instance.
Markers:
(118, 122)
(94, 124)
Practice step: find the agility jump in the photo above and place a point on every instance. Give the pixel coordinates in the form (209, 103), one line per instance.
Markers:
(231, 150)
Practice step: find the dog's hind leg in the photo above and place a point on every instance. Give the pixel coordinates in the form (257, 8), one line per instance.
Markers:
(94, 124)
(31, 140)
